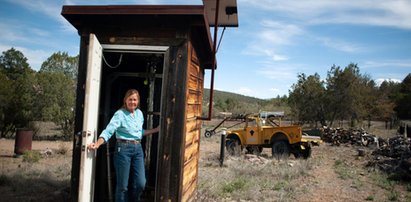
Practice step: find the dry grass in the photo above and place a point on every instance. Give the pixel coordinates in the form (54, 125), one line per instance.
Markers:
(27, 184)
(63, 149)
(42, 174)
(240, 179)
(332, 174)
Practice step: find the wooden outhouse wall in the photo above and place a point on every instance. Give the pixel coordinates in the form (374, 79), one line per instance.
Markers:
(194, 94)
(185, 31)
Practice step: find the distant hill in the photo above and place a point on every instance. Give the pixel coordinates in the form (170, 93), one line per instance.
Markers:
(241, 104)
(225, 95)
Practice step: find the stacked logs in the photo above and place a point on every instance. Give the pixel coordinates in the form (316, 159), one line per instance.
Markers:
(391, 155)
(394, 157)
(338, 136)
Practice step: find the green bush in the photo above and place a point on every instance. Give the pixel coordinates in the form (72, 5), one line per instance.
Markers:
(31, 156)
(342, 169)
(236, 184)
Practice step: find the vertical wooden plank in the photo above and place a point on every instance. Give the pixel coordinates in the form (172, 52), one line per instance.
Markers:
(78, 123)
(170, 159)
(193, 126)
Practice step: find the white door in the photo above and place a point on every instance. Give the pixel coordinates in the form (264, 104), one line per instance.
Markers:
(91, 105)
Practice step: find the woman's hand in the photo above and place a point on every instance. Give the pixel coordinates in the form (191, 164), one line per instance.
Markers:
(95, 145)
(157, 129)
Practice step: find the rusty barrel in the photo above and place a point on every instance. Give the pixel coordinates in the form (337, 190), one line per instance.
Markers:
(23, 140)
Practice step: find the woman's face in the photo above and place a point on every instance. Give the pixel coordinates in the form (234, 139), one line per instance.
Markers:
(132, 102)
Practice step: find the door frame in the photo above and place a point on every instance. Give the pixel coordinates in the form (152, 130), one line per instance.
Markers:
(92, 89)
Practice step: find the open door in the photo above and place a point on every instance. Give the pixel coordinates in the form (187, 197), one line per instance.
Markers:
(91, 106)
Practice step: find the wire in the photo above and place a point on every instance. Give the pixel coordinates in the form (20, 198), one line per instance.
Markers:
(113, 67)
(219, 42)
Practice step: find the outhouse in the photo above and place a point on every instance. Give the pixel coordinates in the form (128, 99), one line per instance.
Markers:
(163, 52)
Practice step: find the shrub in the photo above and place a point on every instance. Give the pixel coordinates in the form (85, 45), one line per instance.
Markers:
(236, 184)
(63, 149)
(342, 169)
(31, 156)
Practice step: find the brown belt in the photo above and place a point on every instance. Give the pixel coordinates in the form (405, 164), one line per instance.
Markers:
(128, 141)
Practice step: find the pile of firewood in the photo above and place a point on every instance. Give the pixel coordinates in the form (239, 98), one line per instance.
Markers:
(392, 155)
(338, 136)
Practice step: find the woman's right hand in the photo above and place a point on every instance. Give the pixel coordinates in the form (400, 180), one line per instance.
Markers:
(93, 146)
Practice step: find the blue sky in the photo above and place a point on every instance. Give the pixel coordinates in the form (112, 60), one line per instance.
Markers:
(276, 40)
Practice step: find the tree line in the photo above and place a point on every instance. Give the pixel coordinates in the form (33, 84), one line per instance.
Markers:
(346, 94)
(46, 95)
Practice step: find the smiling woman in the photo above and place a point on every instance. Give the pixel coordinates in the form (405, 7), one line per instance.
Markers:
(127, 124)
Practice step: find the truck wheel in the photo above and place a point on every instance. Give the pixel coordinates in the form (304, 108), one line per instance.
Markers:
(233, 146)
(306, 153)
(208, 133)
(280, 149)
(254, 150)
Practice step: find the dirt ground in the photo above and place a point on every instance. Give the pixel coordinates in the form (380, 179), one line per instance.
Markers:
(333, 174)
(23, 178)
(336, 174)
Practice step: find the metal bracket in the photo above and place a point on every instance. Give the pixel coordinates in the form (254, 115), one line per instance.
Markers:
(84, 134)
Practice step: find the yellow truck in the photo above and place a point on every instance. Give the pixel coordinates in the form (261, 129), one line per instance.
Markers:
(259, 133)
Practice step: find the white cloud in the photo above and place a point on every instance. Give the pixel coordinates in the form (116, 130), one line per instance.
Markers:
(270, 40)
(34, 57)
(244, 90)
(340, 45)
(277, 73)
(278, 32)
(19, 32)
(275, 90)
(394, 13)
(387, 63)
(48, 8)
(261, 93)
(52, 9)
(380, 80)
(280, 72)
(276, 57)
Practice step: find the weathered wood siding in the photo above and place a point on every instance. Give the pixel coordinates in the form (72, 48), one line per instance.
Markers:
(194, 95)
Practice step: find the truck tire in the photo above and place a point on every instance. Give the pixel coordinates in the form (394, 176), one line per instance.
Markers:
(254, 150)
(208, 133)
(306, 153)
(233, 146)
(280, 149)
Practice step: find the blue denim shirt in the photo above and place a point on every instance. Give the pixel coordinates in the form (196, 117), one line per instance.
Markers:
(125, 125)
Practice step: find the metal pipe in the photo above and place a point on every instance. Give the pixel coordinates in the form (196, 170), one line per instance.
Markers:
(210, 105)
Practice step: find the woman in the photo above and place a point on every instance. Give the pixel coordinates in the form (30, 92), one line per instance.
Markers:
(127, 123)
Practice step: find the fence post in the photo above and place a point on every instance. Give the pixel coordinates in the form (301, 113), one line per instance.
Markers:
(222, 148)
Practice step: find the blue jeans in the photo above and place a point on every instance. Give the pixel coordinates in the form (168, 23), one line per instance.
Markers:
(129, 163)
